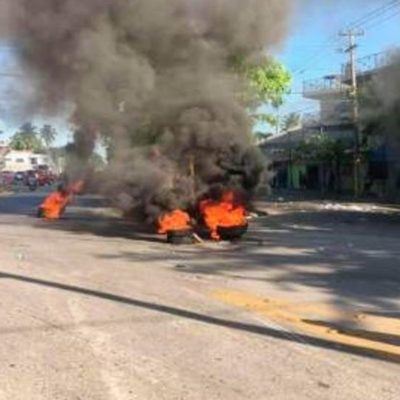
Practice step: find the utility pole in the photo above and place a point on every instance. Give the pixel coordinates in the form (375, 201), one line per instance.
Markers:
(351, 35)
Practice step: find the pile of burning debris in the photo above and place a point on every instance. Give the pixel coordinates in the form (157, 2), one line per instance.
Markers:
(219, 218)
(54, 205)
(169, 102)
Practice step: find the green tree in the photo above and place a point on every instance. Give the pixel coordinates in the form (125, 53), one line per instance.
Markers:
(329, 153)
(26, 138)
(268, 83)
(48, 135)
(28, 129)
(320, 148)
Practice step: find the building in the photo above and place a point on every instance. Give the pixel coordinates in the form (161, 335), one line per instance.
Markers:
(332, 91)
(3, 151)
(334, 121)
(19, 161)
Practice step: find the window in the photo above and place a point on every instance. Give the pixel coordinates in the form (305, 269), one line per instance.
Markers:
(19, 160)
(34, 161)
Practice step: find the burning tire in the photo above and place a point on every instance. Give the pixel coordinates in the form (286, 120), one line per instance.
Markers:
(40, 212)
(180, 237)
(232, 232)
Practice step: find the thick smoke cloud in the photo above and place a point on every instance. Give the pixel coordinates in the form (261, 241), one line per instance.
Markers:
(380, 112)
(387, 83)
(381, 102)
(154, 77)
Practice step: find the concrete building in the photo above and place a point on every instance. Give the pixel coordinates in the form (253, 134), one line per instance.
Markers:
(335, 121)
(19, 161)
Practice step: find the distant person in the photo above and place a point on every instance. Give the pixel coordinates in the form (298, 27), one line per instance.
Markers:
(32, 182)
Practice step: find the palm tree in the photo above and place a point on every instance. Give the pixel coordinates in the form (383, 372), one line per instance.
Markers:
(48, 135)
(28, 129)
(26, 138)
(17, 142)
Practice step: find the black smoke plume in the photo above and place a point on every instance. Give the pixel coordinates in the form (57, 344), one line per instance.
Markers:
(380, 111)
(155, 78)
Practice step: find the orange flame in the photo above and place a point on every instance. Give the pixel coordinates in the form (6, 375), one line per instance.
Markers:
(54, 205)
(224, 213)
(176, 220)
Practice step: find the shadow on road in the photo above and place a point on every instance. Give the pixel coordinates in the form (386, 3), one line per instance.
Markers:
(202, 318)
(352, 256)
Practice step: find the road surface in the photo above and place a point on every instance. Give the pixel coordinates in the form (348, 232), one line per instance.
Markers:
(94, 308)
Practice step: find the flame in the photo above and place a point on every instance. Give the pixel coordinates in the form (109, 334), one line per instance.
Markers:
(176, 220)
(224, 213)
(54, 205)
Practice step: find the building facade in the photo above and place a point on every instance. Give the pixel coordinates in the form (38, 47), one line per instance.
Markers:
(335, 122)
(20, 161)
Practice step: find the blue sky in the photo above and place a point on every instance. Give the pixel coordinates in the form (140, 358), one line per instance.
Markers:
(312, 48)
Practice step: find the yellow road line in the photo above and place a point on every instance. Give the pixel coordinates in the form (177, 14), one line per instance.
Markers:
(292, 315)
(370, 322)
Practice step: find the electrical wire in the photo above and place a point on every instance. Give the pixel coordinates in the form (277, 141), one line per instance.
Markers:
(393, 4)
(381, 22)
(374, 16)
(373, 19)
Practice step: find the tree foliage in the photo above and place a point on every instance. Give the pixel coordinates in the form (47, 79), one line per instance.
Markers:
(268, 83)
(26, 138)
(48, 134)
(320, 148)
(29, 138)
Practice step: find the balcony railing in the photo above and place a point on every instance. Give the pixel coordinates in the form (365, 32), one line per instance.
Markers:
(372, 63)
(327, 85)
(337, 84)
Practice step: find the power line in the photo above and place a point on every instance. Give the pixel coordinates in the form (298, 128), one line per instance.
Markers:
(381, 22)
(370, 20)
(372, 16)
(313, 58)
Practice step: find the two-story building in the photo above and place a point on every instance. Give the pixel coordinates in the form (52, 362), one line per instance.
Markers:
(335, 120)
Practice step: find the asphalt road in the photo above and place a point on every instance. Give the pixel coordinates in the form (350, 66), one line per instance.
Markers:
(307, 306)
(21, 204)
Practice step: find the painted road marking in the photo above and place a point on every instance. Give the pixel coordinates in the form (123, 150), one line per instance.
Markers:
(362, 331)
